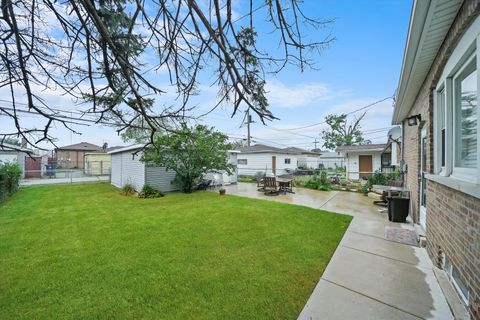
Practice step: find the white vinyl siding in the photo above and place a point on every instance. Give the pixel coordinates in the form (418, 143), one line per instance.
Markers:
(133, 170)
(127, 168)
(353, 163)
(160, 179)
(116, 170)
(262, 162)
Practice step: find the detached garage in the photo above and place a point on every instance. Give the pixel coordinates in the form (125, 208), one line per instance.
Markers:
(126, 167)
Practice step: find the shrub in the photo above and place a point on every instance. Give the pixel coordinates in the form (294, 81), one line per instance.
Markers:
(10, 174)
(319, 182)
(128, 189)
(380, 178)
(149, 192)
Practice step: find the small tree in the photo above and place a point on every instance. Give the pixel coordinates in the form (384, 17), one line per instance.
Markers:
(190, 152)
(341, 133)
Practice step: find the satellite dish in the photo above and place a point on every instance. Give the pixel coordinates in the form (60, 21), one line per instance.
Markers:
(395, 133)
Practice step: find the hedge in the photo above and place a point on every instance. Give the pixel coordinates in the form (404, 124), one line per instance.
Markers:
(9, 177)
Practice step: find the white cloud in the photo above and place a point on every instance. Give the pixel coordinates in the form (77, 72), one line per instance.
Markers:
(300, 95)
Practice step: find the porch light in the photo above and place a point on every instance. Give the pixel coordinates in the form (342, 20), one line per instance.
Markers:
(412, 121)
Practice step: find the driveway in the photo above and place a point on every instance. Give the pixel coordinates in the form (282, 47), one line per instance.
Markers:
(368, 277)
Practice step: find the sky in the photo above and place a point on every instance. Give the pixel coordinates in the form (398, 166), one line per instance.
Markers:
(360, 67)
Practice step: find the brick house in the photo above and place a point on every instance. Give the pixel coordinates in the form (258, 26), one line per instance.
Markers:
(73, 156)
(436, 104)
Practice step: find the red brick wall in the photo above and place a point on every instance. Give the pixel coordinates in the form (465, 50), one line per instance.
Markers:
(453, 227)
(452, 216)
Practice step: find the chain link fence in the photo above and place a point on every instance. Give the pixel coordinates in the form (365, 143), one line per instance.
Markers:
(48, 172)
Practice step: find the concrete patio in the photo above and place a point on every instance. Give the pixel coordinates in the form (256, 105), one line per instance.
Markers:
(368, 277)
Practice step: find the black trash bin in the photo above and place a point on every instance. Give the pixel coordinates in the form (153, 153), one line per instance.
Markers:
(398, 208)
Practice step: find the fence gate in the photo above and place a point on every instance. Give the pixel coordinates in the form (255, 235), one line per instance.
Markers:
(33, 167)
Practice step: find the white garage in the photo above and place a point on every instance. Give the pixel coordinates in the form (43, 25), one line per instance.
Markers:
(126, 167)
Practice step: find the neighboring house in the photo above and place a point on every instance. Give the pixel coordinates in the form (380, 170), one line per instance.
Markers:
(73, 156)
(362, 160)
(267, 160)
(225, 178)
(436, 104)
(97, 164)
(126, 167)
(14, 154)
(331, 159)
(305, 159)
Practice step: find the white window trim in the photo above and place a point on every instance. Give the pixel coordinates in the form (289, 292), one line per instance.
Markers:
(467, 48)
(461, 173)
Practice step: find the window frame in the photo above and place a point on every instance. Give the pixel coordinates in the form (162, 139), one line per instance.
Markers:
(461, 57)
(242, 164)
(289, 161)
(462, 173)
(449, 267)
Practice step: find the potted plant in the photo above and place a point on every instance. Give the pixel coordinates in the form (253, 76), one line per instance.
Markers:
(222, 191)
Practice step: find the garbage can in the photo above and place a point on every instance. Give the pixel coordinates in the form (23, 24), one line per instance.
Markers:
(398, 208)
(50, 170)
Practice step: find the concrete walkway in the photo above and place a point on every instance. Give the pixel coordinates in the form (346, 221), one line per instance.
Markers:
(368, 277)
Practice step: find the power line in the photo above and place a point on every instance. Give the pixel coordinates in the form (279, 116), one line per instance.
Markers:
(351, 112)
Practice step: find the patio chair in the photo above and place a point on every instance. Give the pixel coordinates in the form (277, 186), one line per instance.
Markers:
(261, 183)
(270, 186)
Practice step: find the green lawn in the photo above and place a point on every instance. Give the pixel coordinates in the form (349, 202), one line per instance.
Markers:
(86, 252)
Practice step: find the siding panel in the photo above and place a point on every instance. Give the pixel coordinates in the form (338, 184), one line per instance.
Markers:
(160, 178)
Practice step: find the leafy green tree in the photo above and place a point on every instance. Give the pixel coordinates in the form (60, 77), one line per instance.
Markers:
(190, 152)
(12, 141)
(342, 133)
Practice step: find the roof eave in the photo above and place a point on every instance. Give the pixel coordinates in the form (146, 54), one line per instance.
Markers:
(415, 30)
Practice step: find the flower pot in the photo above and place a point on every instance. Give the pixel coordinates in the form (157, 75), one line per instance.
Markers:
(222, 192)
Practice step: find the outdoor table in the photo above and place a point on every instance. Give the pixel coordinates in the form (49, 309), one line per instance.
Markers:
(389, 189)
(285, 184)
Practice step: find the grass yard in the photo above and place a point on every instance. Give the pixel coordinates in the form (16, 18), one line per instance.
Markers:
(86, 252)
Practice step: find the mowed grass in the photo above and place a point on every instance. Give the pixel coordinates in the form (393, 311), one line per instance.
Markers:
(86, 252)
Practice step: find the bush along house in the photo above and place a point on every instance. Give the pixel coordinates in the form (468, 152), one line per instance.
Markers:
(437, 107)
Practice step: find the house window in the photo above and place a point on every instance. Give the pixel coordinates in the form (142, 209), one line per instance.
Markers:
(242, 161)
(386, 160)
(287, 160)
(442, 113)
(457, 121)
(454, 276)
(465, 114)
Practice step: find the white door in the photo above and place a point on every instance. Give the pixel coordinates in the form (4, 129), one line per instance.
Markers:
(423, 182)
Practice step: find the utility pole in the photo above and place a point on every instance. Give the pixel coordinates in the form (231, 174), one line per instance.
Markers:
(316, 141)
(249, 120)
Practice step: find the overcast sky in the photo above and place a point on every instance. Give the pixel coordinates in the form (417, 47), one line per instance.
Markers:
(362, 66)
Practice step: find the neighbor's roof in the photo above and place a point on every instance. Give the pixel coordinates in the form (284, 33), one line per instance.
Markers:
(11, 147)
(300, 151)
(261, 148)
(83, 146)
(128, 148)
(332, 154)
(362, 147)
(429, 23)
(114, 148)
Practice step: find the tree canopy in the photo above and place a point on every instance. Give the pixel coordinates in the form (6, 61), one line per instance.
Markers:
(191, 153)
(110, 55)
(342, 133)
